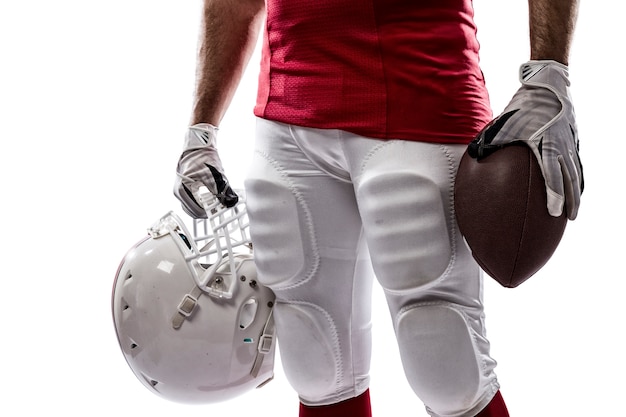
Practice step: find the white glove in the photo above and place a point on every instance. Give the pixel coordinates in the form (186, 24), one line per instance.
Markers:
(200, 165)
(541, 115)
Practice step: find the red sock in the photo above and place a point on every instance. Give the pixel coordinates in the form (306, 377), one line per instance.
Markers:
(496, 408)
(354, 407)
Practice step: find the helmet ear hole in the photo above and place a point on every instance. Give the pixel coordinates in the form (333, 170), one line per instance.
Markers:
(247, 313)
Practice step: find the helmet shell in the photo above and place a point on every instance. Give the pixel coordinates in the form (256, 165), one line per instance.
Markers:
(203, 354)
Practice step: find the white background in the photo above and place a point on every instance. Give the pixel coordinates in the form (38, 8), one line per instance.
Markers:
(94, 101)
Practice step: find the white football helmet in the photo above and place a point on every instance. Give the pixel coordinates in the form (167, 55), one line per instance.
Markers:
(192, 321)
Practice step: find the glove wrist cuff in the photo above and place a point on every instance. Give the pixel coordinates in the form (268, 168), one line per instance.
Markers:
(205, 127)
(201, 135)
(545, 73)
(545, 62)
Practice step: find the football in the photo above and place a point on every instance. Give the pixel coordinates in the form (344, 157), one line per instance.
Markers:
(500, 204)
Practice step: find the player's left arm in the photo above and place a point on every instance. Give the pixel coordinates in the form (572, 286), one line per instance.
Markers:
(552, 24)
(541, 113)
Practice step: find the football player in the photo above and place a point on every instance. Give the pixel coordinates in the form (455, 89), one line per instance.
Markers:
(364, 109)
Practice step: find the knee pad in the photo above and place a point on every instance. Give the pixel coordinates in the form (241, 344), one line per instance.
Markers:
(405, 223)
(284, 250)
(309, 350)
(440, 358)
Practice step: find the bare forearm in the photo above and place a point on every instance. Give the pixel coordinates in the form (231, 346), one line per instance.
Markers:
(229, 33)
(552, 24)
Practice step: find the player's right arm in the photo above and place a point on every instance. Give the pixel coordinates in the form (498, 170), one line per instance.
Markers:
(229, 33)
(228, 36)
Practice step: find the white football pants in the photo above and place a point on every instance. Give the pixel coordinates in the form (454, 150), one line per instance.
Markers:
(312, 195)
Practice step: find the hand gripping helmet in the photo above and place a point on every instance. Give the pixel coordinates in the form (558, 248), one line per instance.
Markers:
(191, 319)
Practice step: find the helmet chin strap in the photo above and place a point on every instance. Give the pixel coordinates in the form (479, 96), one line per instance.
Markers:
(266, 342)
(186, 307)
(217, 286)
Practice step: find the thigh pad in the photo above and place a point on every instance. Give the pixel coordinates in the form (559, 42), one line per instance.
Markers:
(405, 224)
(284, 249)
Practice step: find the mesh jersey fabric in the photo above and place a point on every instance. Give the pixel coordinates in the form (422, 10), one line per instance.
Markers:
(388, 69)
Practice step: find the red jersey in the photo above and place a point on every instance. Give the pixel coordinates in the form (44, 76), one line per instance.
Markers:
(401, 69)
